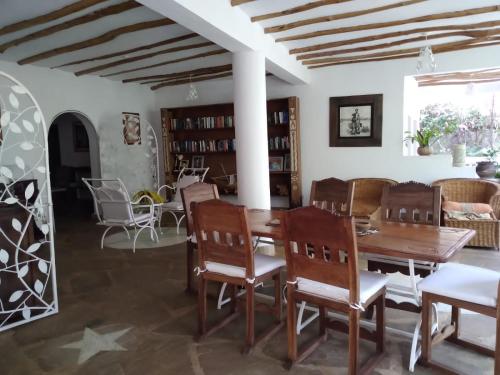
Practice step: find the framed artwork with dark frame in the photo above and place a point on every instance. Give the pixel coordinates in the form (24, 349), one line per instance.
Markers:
(356, 121)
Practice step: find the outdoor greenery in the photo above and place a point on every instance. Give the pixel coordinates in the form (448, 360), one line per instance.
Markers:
(451, 125)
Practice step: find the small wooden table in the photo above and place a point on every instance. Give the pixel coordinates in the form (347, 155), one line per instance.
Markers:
(401, 240)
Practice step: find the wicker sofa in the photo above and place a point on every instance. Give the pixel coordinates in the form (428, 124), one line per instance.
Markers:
(469, 190)
(367, 195)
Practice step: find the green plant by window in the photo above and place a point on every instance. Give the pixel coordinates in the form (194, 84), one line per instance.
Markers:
(424, 137)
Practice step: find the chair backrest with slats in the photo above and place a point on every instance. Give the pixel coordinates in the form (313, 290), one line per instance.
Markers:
(333, 195)
(223, 234)
(412, 202)
(197, 192)
(313, 240)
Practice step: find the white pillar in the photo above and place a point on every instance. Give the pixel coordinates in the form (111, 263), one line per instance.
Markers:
(250, 116)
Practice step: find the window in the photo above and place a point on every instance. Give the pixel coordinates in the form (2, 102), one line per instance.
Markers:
(459, 107)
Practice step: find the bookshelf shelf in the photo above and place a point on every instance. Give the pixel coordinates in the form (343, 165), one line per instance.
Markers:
(204, 125)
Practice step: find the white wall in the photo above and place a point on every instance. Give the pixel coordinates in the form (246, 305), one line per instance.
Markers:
(102, 101)
(387, 78)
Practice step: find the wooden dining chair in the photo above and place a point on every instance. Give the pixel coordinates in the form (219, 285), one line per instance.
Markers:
(413, 203)
(463, 287)
(197, 192)
(226, 255)
(333, 195)
(321, 279)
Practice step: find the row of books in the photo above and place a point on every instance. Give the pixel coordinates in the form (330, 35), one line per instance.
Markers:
(279, 143)
(214, 145)
(215, 122)
(277, 118)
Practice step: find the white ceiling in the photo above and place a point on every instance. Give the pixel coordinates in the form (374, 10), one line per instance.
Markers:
(16, 10)
(428, 7)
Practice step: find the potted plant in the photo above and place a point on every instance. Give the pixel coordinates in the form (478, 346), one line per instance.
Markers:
(488, 168)
(425, 138)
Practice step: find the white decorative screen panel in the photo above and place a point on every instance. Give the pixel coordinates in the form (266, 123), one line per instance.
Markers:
(27, 265)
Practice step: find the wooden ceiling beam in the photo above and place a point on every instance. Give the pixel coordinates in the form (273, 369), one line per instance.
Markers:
(379, 25)
(470, 34)
(336, 17)
(457, 74)
(185, 76)
(96, 15)
(112, 64)
(189, 80)
(297, 9)
(239, 2)
(132, 50)
(106, 37)
(368, 58)
(187, 73)
(412, 50)
(371, 38)
(168, 62)
(423, 84)
(47, 17)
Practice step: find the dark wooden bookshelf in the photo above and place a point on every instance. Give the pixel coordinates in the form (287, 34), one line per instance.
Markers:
(283, 125)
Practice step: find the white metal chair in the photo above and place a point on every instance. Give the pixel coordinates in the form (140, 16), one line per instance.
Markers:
(114, 208)
(187, 176)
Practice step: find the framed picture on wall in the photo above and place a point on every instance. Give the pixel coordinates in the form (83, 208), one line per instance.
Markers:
(275, 163)
(131, 128)
(80, 137)
(198, 161)
(356, 121)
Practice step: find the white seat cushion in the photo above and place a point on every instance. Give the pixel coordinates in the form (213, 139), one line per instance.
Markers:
(177, 206)
(369, 284)
(263, 264)
(463, 282)
(139, 218)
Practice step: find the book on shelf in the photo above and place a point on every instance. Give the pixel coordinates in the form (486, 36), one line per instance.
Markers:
(208, 122)
(279, 143)
(277, 118)
(204, 145)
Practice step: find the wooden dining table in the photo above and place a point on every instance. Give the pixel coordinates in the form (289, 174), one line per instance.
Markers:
(408, 241)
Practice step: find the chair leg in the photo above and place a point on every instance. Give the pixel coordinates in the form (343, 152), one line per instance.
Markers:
(380, 305)
(426, 329)
(202, 306)
(455, 320)
(322, 320)
(277, 296)
(232, 295)
(189, 266)
(353, 341)
(250, 339)
(291, 325)
(104, 235)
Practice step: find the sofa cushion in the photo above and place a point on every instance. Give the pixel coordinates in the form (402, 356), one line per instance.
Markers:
(475, 208)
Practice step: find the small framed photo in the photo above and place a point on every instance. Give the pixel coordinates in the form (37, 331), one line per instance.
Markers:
(184, 163)
(275, 163)
(287, 166)
(198, 161)
(356, 121)
(131, 128)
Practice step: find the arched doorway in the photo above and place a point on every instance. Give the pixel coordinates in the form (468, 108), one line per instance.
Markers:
(73, 155)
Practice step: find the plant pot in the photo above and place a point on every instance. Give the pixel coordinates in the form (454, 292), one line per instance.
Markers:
(424, 151)
(458, 155)
(486, 169)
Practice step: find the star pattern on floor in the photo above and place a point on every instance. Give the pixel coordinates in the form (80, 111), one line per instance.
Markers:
(93, 343)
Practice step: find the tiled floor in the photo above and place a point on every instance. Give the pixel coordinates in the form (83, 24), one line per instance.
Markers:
(114, 290)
